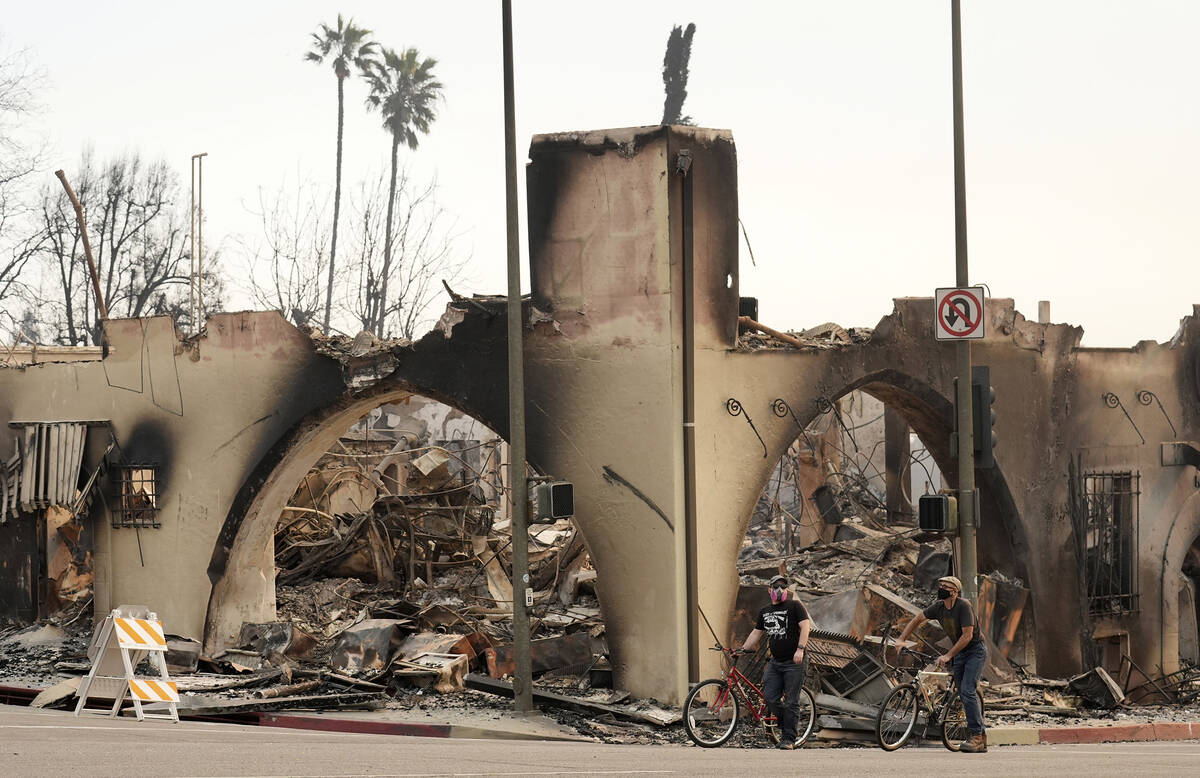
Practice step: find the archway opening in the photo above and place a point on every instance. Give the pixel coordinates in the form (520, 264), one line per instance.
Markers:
(1189, 606)
(837, 514)
(392, 514)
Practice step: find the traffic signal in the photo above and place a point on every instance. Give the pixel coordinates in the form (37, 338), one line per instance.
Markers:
(983, 418)
(983, 400)
(937, 513)
(552, 501)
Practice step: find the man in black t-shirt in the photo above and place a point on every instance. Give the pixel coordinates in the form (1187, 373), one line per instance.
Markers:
(786, 624)
(966, 657)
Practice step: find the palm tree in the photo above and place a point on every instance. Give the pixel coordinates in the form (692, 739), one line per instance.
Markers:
(405, 91)
(347, 46)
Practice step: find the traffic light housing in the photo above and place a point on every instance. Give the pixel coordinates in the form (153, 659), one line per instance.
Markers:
(552, 501)
(937, 513)
(983, 400)
(983, 418)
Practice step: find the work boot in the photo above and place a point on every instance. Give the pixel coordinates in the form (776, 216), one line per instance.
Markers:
(975, 744)
(786, 746)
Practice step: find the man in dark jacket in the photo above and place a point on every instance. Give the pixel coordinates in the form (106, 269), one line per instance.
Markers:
(786, 624)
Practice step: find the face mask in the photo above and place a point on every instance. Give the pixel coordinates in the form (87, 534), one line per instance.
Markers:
(944, 594)
(778, 594)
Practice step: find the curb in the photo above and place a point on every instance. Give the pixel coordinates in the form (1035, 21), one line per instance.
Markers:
(367, 727)
(1123, 733)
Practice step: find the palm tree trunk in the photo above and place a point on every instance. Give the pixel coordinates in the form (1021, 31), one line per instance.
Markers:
(387, 240)
(337, 202)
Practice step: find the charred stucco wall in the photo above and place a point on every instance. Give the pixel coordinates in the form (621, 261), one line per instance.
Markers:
(236, 417)
(605, 377)
(204, 410)
(226, 416)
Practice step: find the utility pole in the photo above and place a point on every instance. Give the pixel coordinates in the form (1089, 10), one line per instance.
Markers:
(518, 483)
(966, 445)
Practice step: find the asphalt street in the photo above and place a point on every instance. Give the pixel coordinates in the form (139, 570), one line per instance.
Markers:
(54, 743)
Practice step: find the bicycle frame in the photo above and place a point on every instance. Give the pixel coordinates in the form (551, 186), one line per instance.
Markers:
(736, 683)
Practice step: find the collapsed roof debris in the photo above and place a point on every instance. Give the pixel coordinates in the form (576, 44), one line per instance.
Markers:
(755, 335)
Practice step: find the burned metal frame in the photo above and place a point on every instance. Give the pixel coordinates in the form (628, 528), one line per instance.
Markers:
(136, 496)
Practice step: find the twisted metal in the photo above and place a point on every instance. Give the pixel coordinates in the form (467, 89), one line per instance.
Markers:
(734, 408)
(1144, 397)
(1112, 401)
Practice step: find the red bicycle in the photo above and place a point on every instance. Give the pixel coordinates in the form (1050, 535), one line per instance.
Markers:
(714, 707)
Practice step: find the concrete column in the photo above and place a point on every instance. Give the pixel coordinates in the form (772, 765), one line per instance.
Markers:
(896, 455)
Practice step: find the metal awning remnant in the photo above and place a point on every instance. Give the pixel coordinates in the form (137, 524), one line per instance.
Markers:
(44, 471)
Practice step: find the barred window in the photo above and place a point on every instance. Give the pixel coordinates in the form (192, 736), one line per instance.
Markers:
(137, 496)
(1110, 541)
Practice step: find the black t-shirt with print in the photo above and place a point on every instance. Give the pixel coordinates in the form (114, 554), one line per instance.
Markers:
(782, 624)
(954, 619)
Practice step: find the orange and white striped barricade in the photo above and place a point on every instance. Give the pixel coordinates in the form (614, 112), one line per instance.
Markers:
(128, 636)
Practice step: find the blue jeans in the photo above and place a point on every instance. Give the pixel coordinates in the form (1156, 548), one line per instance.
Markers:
(783, 681)
(967, 666)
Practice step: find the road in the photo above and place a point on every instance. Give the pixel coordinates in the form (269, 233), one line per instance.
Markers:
(54, 743)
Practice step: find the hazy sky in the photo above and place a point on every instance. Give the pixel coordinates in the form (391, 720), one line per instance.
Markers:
(1082, 130)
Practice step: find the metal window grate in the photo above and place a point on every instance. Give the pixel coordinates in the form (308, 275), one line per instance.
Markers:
(137, 496)
(1110, 502)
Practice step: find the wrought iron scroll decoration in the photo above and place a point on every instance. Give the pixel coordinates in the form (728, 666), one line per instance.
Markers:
(1112, 401)
(825, 405)
(1144, 397)
(734, 408)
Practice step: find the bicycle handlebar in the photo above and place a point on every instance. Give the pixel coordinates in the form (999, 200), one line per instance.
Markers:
(919, 654)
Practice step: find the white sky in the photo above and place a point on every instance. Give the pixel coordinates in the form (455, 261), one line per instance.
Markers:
(1081, 130)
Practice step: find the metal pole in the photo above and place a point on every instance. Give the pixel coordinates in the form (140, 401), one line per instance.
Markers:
(192, 239)
(197, 230)
(519, 485)
(966, 444)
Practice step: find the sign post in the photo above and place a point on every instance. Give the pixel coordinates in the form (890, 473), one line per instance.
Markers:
(963, 323)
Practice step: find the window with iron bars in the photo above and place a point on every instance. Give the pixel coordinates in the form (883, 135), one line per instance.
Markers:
(1110, 502)
(137, 496)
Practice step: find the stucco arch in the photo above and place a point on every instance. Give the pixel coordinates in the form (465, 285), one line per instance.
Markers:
(242, 565)
(1182, 533)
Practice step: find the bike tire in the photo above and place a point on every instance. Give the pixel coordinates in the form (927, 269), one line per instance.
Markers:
(806, 721)
(954, 722)
(897, 717)
(708, 726)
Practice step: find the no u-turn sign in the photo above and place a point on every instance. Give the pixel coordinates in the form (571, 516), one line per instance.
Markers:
(958, 313)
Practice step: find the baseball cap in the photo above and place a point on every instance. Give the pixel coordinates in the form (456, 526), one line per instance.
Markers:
(949, 579)
(780, 577)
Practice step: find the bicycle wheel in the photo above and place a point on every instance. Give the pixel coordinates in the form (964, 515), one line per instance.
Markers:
(710, 713)
(806, 720)
(897, 718)
(954, 722)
